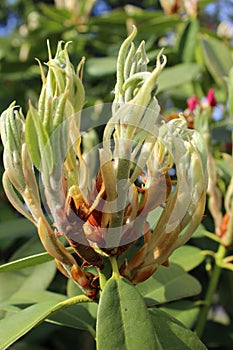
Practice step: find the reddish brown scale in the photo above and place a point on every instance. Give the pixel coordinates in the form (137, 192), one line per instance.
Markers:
(188, 115)
(91, 258)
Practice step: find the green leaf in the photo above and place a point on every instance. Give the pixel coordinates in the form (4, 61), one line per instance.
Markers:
(184, 311)
(20, 286)
(171, 334)
(22, 259)
(30, 247)
(188, 39)
(217, 57)
(225, 167)
(33, 296)
(15, 326)
(73, 290)
(177, 75)
(99, 67)
(187, 257)
(13, 229)
(76, 316)
(123, 321)
(26, 262)
(167, 284)
(17, 285)
(200, 232)
(56, 14)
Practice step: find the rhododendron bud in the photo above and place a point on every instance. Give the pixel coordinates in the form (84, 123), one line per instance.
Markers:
(211, 98)
(101, 198)
(192, 103)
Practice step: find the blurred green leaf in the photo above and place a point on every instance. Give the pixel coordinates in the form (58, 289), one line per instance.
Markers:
(37, 278)
(225, 167)
(187, 40)
(217, 57)
(56, 14)
(187, 257)
(32, 296)
(172, 334)
(76, 316)
(177, 75)
(199, 232)
(31, 246)
(168, 284)
(30, 279)
(73, 290)
(99, 67)
(15, 326)
(26, 262)
(184, 311)
(13, 229)
(218, 334)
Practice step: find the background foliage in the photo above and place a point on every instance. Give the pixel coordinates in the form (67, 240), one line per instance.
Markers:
(199, 52)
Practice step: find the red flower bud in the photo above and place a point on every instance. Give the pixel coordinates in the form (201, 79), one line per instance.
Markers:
(192, 102)
(211, 98)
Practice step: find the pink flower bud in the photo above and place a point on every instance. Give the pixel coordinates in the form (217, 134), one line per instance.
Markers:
(211, 98)
(192, 103)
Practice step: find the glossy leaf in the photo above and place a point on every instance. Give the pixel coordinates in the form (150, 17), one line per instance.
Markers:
(123, 321)
(167, 284)
(187, 257)
(172, 334)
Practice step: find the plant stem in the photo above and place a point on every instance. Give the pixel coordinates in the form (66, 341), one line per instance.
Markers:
(105, 273)
(211, 290)
(115, 270)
